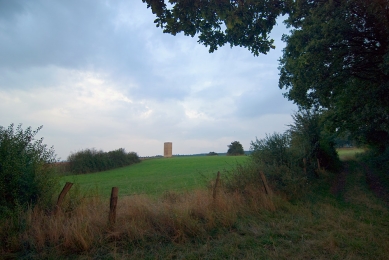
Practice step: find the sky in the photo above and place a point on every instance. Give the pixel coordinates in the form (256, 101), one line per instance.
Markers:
(99, 74)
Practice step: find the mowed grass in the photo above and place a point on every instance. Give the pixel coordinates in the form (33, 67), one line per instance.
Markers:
(346, 154)
(156, 176)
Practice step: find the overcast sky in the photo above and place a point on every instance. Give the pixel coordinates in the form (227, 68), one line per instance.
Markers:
(99, 74)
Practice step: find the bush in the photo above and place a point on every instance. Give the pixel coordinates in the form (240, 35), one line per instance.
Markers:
(281, 156)
(26, 176)
(311, 141)
(274, 156)
(272, 150)
(91, 160)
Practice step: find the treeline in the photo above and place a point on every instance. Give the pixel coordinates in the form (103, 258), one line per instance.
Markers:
(92, 160)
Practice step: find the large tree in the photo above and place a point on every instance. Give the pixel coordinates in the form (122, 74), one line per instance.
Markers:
(237, 22)
(336, 58)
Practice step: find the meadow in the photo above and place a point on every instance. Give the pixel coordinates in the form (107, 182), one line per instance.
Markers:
(156, 176)
(346, 154)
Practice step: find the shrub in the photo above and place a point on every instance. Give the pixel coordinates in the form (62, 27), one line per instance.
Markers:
(281, 156)
(274, 156)
(91, 160)
(311, 141)
(272, 150)
(26, 176)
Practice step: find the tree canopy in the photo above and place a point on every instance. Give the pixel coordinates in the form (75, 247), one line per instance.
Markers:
(235, 148)
(336, 57)
(244, 23)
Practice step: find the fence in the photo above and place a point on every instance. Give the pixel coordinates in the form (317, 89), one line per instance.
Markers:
(115, 191)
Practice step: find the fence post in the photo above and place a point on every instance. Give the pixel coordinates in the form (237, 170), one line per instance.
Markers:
(216, 184)
(62, 195)
(264, 181)
(305, 166)
(112, 205)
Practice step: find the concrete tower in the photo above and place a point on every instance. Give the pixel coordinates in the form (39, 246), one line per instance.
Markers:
(168, 149)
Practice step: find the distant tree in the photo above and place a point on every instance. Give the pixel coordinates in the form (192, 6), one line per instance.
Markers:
(235, 148)
(211, 154)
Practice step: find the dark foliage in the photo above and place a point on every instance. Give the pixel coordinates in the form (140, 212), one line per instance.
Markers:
(26, 176)
(337, 58)
(235, 148)
(91, 160)
(296, 158)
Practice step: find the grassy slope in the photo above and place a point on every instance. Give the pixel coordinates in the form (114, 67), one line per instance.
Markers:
(154, 176)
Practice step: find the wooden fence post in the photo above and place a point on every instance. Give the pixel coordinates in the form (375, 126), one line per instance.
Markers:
(264, 181)
(216, 184)
(62, 195)
(113, 204)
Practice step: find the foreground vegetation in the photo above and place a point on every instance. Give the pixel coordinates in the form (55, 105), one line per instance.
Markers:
(328, 221)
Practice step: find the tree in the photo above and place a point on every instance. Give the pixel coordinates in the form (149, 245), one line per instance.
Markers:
(237, 22)
(25, 174)
(235, 148)
(336, 58)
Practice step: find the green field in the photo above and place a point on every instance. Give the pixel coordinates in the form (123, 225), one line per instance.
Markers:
(155, 176)
(346, 154)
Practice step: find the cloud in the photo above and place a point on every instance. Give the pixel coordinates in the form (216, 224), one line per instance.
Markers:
(100, 74)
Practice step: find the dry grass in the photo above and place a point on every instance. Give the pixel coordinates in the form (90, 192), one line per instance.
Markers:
(83, 227)
(244, 224)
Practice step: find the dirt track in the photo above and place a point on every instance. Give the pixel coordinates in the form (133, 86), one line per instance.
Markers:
(372, 180)
(339, 183)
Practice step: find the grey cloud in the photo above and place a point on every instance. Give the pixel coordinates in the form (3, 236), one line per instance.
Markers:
(267, 100)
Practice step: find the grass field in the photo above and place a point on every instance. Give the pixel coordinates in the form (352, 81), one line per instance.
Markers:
(338, 217)
(155, 176)
(348, 223)
(346, 154)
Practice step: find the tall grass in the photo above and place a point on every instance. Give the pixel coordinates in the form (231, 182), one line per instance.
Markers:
(242, 221)
(83, 227)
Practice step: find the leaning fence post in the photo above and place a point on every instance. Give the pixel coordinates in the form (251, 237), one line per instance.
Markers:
(267, 189)
(216, 184)
(112, 205)
(62, 195)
